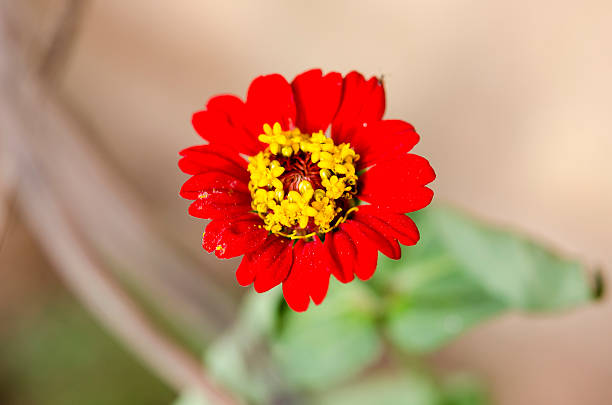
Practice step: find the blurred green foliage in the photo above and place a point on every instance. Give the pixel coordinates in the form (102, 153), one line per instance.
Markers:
(463, 272)
(385, 389)
(521, 273)
(335, 340)
(362, 345)
(406, 388)
(60, 356)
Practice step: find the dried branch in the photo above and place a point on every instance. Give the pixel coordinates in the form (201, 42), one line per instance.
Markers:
(56, 54)
(8, 195)
(98, 290)
(106, 210)
(71, 204)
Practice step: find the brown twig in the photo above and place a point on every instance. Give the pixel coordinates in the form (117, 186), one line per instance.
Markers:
(108, 213)
(8, 195)
(55, 222)
(56, 54)
(101, 293)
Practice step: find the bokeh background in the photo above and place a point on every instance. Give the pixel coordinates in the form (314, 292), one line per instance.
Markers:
(512, 101)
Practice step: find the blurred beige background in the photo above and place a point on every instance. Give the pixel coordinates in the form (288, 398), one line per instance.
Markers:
(512, 101)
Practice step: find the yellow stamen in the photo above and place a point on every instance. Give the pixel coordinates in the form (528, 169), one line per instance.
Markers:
(291, 213)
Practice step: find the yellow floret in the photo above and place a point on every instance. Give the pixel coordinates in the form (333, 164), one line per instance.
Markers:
(286, 213)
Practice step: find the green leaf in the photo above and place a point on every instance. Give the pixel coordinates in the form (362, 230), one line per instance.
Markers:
(524, 274)
(191, 397)
(461, 389)
(432, 301)
(331, 342)
(385, 389)
(237, 359)
(394, 387)
(462, 272)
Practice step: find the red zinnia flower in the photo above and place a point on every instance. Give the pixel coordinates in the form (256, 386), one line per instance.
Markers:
(298, 204)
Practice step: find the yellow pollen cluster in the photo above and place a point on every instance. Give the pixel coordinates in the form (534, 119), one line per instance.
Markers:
(303, 210)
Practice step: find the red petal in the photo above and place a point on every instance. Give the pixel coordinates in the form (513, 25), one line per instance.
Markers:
(390, 224)
(367, 251)
(276, 261)
(317, 98)
(216, 195)
(384, 241)
(363, 102)
(234, 237)
(245, 274)
(204, 158)
(406, 170)
(220, 124)
(200, 185)
(270, 100)
(268, 265)
(309, 276)
(220, 205)
(343, 253)
(237, 115)
(232, 107)
(398, 184)
(383, 140)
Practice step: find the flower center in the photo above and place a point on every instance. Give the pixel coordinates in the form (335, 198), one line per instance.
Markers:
(302, 184)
